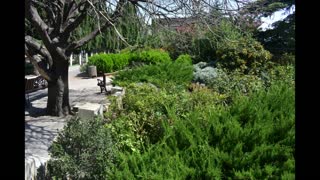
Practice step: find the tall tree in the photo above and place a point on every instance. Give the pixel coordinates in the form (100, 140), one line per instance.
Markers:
(52, 23)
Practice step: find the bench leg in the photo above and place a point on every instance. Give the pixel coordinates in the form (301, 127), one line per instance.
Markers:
(27, 101)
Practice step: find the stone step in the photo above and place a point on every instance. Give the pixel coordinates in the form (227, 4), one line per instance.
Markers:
(88, 110)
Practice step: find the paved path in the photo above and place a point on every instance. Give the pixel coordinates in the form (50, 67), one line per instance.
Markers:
(40, 130)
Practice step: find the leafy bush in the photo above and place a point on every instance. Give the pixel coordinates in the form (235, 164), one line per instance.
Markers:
(287, 58)
(245, 54)
(83, 150)
(114, 62)
(226, 82)
(178, 43)
(120, 61)
(103, 62)
(153, 56)
(251, 139)
(286, 74)
(184, 58)
(237, 50)
(165, 75)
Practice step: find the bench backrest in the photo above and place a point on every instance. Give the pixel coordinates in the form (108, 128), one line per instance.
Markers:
(30, 84)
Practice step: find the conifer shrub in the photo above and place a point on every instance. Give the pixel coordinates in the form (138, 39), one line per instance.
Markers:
(164, 75)
(184, 58)
(253, 138)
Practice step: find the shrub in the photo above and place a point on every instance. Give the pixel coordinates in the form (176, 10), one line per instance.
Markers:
(285, 73)
(165, 75)
(204, 73)
(245, 54)
(237, 50)
(103, 62)
(287, 59)
(83, 150)
(153, 56)
(114, 62)
(184, 58)
(145, 107)
(120, 61)
(226, 82)
(254, 138)
(203, 50)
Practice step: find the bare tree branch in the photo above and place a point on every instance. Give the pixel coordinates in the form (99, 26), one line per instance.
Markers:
(72, 25)
(49, 11)
(34, 60)
(40, 25)
(31, 43)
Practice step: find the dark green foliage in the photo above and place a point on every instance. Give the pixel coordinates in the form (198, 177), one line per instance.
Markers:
(28, 69)
(280, 40)
(178, 43)
(129, 25)
(203, 50)
(236, 50)
(287, 59)
(251, 139)
(164, 75)
(83, 150)
(267, 7)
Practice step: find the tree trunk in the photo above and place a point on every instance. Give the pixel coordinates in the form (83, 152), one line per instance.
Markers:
(58, 91)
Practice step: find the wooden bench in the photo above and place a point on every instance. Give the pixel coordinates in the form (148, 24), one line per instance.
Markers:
(103, 84)
(33, 83)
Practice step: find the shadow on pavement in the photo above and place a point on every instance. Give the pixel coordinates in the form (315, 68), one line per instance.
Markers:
(35, 111)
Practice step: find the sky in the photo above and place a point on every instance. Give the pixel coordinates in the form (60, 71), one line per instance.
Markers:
(279, 15)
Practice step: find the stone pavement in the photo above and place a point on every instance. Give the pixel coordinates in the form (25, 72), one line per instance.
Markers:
(40, 130)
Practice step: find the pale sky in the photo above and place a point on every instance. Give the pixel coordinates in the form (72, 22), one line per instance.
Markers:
(279, 15)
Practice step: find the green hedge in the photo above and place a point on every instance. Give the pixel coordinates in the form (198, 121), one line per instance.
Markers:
(152, 56)
(114, 62)
(103, 62)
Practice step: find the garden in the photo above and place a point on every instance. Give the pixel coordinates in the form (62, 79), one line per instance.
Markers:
(206, 100)
(233, 118)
